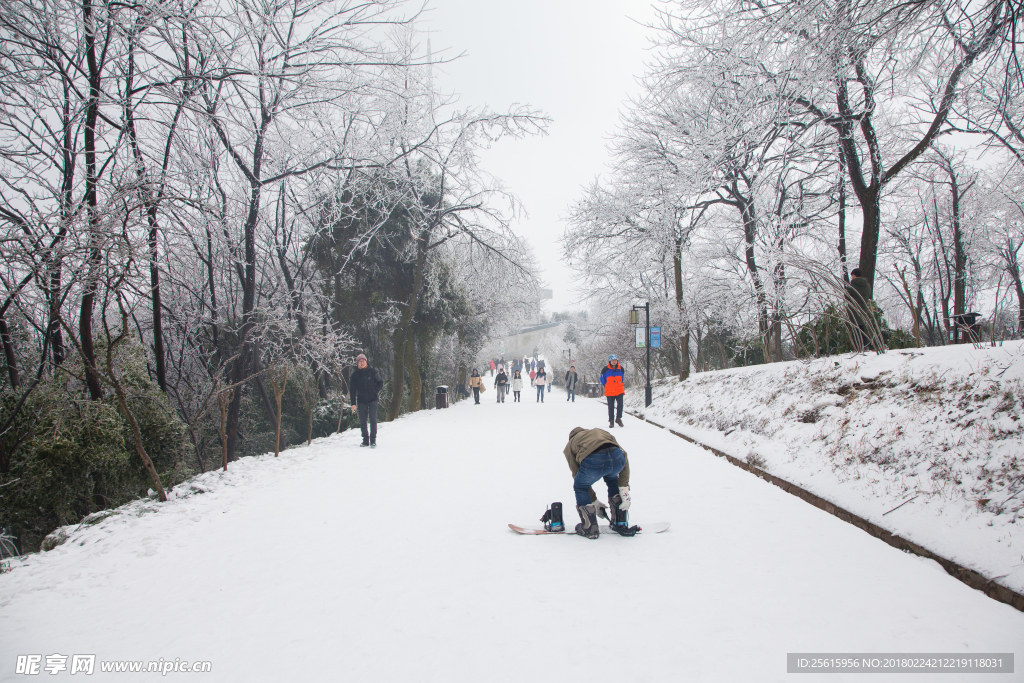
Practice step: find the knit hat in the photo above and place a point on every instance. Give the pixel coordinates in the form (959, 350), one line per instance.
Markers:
(361, 357)
(613, 357)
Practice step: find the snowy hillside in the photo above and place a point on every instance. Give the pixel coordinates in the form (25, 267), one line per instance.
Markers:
(937, 431)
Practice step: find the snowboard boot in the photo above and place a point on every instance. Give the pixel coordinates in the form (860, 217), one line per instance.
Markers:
(617, 517)
(620, 518)
(588, 524)
(552, 519)
(618, 421)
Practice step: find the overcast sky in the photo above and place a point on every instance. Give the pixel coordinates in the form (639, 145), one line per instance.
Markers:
(577, 60)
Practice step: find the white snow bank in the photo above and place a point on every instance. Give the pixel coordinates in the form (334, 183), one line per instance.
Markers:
(938, 430)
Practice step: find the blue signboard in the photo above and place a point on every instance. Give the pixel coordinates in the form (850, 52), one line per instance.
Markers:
(655, 337)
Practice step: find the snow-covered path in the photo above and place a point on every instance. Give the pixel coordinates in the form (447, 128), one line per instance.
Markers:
(336, 563)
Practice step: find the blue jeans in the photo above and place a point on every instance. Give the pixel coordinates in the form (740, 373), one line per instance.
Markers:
(604, 463)
(540, 393)
(571, 394)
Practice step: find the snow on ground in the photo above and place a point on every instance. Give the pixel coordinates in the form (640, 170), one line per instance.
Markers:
(938, 430)
(337, 563)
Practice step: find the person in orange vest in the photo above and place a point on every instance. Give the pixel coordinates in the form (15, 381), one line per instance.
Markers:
(614, 389)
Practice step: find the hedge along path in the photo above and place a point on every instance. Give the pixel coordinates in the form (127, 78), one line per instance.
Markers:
(968, 576)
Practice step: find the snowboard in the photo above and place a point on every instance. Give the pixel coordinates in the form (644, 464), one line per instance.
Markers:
(654, 528)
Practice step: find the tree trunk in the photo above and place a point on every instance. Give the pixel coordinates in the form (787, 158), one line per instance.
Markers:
(748, 214)
(224, 401)
(960, 256)
(54, 330)
(404, 328)
(309, 434)
(261, 389)
(397, 374)
(842, 216)
(122, 402)
(415, 381)
(279, 382)
(151, 203)
(137, 438)
(92, 207)
(460, 380)
(871, 208)
(9, 357)
(684, 341)
(1013, 268)
(242, 363)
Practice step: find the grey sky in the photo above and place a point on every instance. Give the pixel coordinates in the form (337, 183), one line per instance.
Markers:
(577, 60)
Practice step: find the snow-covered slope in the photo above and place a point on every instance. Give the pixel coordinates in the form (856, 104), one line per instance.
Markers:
(338, 563)
(937, 430)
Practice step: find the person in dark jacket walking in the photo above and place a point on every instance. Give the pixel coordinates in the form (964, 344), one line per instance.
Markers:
(501, 384)
(612, 379)
(571, 378)
(364, 386)
(594, 454)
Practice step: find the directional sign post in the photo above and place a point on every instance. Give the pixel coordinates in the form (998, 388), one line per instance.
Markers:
(643, 340)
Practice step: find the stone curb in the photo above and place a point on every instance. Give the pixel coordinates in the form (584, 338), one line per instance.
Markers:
(965, 575)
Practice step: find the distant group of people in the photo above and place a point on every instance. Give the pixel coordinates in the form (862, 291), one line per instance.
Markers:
(505, 384)
(612, 377)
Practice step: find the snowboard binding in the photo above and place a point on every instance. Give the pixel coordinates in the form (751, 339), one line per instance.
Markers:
(553, 518)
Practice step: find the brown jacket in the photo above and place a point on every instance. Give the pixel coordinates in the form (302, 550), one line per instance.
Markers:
(583, 442)
(476, 380)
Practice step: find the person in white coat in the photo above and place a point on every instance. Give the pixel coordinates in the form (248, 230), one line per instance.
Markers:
(517, 386)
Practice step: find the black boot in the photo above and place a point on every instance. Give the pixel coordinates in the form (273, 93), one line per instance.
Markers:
(617, 517)
(588, 524)
(620, 518)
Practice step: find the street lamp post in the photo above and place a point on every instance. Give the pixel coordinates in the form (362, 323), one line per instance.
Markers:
(647, 310)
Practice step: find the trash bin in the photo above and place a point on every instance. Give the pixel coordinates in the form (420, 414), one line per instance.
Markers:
(593, 390)
(442, 397)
